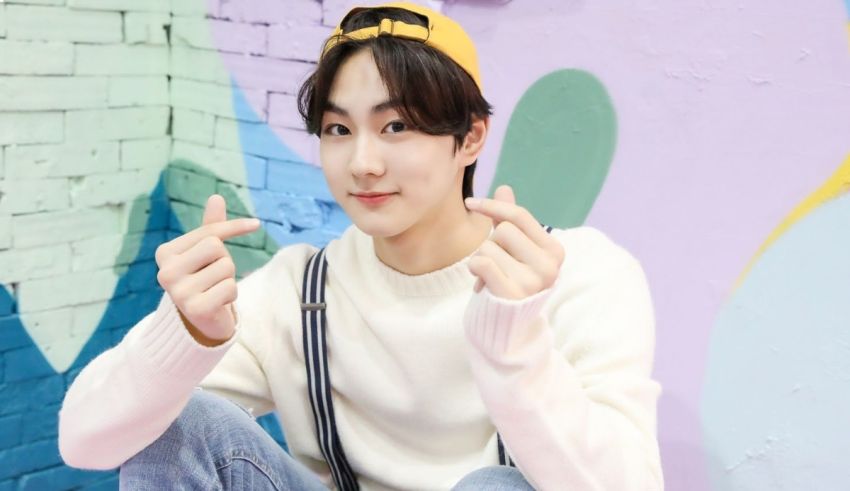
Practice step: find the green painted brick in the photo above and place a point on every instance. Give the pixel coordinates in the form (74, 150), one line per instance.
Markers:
(68, 159)
(206, 97)
(121, 59)
(36, 58)
(193, 126)
(32, 196)
(56, 227)
(104, 189)
(87, 254)
(23, 128)
(189, 216)
(5, 232)
(29, 264)
(232, 37)
(127, 5)
(145, 154)
(64, 290)
(52, 93)
(138, 91)
(189, 187)
(62, 24)
(133, 123)
(146, 27)
(197, 64)
(226, 165)
(2, 20)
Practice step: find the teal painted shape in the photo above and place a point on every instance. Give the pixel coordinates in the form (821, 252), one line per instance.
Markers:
(776, 396)
(558, 147)
(31, 391)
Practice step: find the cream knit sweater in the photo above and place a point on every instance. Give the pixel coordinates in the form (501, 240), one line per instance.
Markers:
(424, 371)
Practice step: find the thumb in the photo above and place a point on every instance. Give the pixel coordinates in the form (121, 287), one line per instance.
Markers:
(216, 210)
(505, 193)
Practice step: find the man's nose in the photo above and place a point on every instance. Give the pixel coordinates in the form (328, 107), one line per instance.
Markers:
(366, 158)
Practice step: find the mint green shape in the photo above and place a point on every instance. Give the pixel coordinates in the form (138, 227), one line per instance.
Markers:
(558, 147)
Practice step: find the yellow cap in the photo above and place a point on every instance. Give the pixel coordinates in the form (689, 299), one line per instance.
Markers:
(442, 33)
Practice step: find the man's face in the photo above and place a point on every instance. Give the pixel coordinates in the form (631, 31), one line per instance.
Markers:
(387, 177)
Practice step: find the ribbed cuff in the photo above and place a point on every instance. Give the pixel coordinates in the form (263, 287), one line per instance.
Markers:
(496, 326)
(169, 349)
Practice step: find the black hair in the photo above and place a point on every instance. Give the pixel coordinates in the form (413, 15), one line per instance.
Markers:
(435, 95)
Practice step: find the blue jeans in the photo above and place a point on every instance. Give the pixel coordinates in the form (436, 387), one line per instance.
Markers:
(215, 445)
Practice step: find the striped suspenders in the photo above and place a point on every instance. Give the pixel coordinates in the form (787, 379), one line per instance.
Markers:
(314, 325)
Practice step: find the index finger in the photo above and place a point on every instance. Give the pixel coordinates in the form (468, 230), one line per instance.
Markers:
(222, 230)
(501, 211)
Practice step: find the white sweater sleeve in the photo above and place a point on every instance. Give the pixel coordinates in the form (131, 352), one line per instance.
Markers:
(127, 397)
(565, 375)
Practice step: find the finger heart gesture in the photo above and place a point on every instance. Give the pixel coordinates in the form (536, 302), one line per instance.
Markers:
(519, 259)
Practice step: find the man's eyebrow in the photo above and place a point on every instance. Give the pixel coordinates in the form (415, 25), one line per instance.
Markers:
(386, 105)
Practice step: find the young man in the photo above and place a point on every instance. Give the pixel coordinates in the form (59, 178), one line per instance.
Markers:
(453, 335)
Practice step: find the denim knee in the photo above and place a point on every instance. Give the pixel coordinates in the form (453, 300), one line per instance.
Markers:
(494, 478)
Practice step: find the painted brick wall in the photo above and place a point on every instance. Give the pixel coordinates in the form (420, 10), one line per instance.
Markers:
(117, 121)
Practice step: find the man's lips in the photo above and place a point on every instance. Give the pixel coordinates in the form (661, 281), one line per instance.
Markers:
(373, 198)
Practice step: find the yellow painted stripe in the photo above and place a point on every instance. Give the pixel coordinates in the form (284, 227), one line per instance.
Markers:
(836, 185)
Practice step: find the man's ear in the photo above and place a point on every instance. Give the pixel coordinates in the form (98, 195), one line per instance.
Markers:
(473, 142)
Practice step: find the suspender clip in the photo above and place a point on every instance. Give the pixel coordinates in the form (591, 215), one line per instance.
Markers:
(313, 306)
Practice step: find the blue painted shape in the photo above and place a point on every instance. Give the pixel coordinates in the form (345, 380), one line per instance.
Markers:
(25, 364)
(12, 333)
(28, 457)
(847, 4)
(27, 395)
(7, 303)
(41, 424)
(10, 431)
(776, 401)
(62, 477)
(299, 179)
(287, 176)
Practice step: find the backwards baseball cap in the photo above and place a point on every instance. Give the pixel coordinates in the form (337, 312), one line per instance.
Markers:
(442, 33)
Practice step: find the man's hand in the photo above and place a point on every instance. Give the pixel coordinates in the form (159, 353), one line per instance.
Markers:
(198, 273)
(519, 259)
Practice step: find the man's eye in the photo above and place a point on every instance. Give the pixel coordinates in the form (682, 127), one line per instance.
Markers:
(336, 130)
(395, 127)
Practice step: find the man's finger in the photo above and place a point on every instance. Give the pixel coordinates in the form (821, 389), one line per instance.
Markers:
(222, 230)
(215, 211)
(502, 211)
(505, 194)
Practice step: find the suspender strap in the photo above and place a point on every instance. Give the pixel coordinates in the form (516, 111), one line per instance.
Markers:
(314, 325)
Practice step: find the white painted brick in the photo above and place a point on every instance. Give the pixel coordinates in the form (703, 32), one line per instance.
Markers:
(2, 163)
(163, 6)
(36, 58)
(31, 127)
(297, 40)
(145, 154)
(2, 20)
(61, 24)
(132, 123)
(146, 27)
(205, 97)
(193, 126)
(56, 227)
(87, 254)
(68, 159)
(121, 59)
(52, 93)
(197, 64)
(225, 165)
(29, 264)
(138, 91)
(64, 290)
(31, 196)
(273, 11)
(283, 111)
(5, 232)
(104, 189)
(219, 35)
